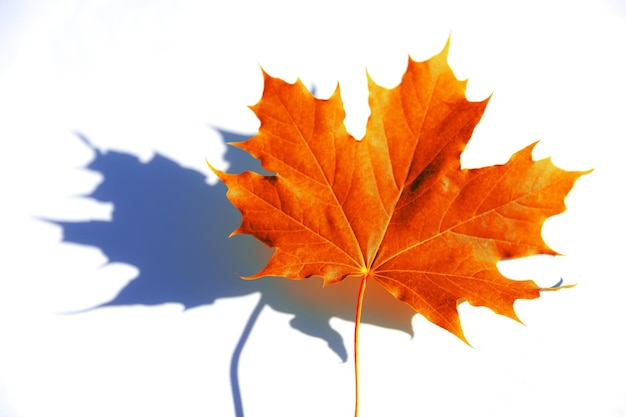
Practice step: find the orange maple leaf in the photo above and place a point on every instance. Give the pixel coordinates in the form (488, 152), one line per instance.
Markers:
(395, 206)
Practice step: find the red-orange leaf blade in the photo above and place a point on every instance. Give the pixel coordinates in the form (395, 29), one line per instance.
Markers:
(395, 206)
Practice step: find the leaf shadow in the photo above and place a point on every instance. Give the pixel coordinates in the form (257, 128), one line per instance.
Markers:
(174, 227)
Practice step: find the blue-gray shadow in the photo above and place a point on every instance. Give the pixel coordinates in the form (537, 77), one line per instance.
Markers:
(174, 227)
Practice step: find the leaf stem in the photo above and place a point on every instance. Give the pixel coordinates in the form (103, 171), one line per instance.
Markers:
(357, 322)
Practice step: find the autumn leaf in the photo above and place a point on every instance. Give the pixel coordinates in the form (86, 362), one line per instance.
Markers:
(395, 206)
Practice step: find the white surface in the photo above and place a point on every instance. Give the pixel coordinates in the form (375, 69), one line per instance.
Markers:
(141, 77)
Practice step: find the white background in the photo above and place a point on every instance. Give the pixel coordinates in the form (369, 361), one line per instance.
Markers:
(145, 77)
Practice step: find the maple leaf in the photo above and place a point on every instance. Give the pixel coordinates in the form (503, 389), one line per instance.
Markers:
(395, 206)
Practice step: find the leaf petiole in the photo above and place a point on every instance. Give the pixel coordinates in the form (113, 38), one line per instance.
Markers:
(357, 321)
